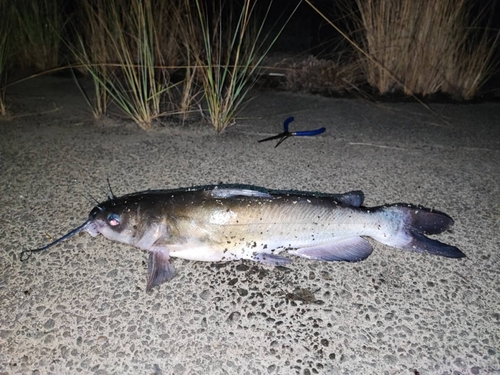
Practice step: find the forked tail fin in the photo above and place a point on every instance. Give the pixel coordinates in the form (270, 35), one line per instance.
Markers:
(413, 223)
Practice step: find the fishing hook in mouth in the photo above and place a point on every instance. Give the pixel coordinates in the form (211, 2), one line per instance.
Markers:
(26, 254)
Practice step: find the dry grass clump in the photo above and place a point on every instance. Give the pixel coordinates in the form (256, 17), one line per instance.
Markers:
(476, 62)
(222, 62)
(228, 57)
(422, 47)
(92, 53)
(120, 46)
(315, 75)
(131, 51)
(37, 29)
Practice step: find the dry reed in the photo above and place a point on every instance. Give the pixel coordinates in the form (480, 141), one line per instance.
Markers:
(426, 45)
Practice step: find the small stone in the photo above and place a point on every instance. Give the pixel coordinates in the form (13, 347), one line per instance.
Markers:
(179, 369)
(49, 324)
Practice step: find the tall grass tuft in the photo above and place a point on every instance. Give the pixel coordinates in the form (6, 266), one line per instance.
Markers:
(183, 38)
(39, 25)
(131, 48)
(91, 52)
(124, 57)
(422, 47)
(232, 48)
(476, 59)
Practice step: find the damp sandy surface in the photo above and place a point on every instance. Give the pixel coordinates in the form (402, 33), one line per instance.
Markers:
(81, 307)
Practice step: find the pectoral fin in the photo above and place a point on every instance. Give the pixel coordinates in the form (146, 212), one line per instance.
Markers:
(349, 249)
(159, 269)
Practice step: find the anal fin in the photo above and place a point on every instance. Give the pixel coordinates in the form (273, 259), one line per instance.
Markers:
(351, 249)
(270, 259)
(159, 269)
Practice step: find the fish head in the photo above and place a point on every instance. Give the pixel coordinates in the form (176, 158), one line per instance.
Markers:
(103, 219)
(135, 219)
(132, 220)
(114, 221)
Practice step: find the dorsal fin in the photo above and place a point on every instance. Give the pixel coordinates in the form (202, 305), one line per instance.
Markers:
(353, 198)
(231, 193)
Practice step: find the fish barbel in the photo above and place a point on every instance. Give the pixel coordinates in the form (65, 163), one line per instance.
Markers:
(226, 222)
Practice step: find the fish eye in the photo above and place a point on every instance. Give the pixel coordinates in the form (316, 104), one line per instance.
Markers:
(113, 219)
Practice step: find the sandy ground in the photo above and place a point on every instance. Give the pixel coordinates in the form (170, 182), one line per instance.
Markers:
(81, 307)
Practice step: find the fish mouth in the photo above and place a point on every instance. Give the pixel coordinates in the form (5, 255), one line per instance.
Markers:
(91, 228)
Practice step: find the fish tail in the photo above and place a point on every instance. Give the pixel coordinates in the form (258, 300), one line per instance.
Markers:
(410, 226)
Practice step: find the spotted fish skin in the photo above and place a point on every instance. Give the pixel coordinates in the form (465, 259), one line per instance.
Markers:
(226, 222)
